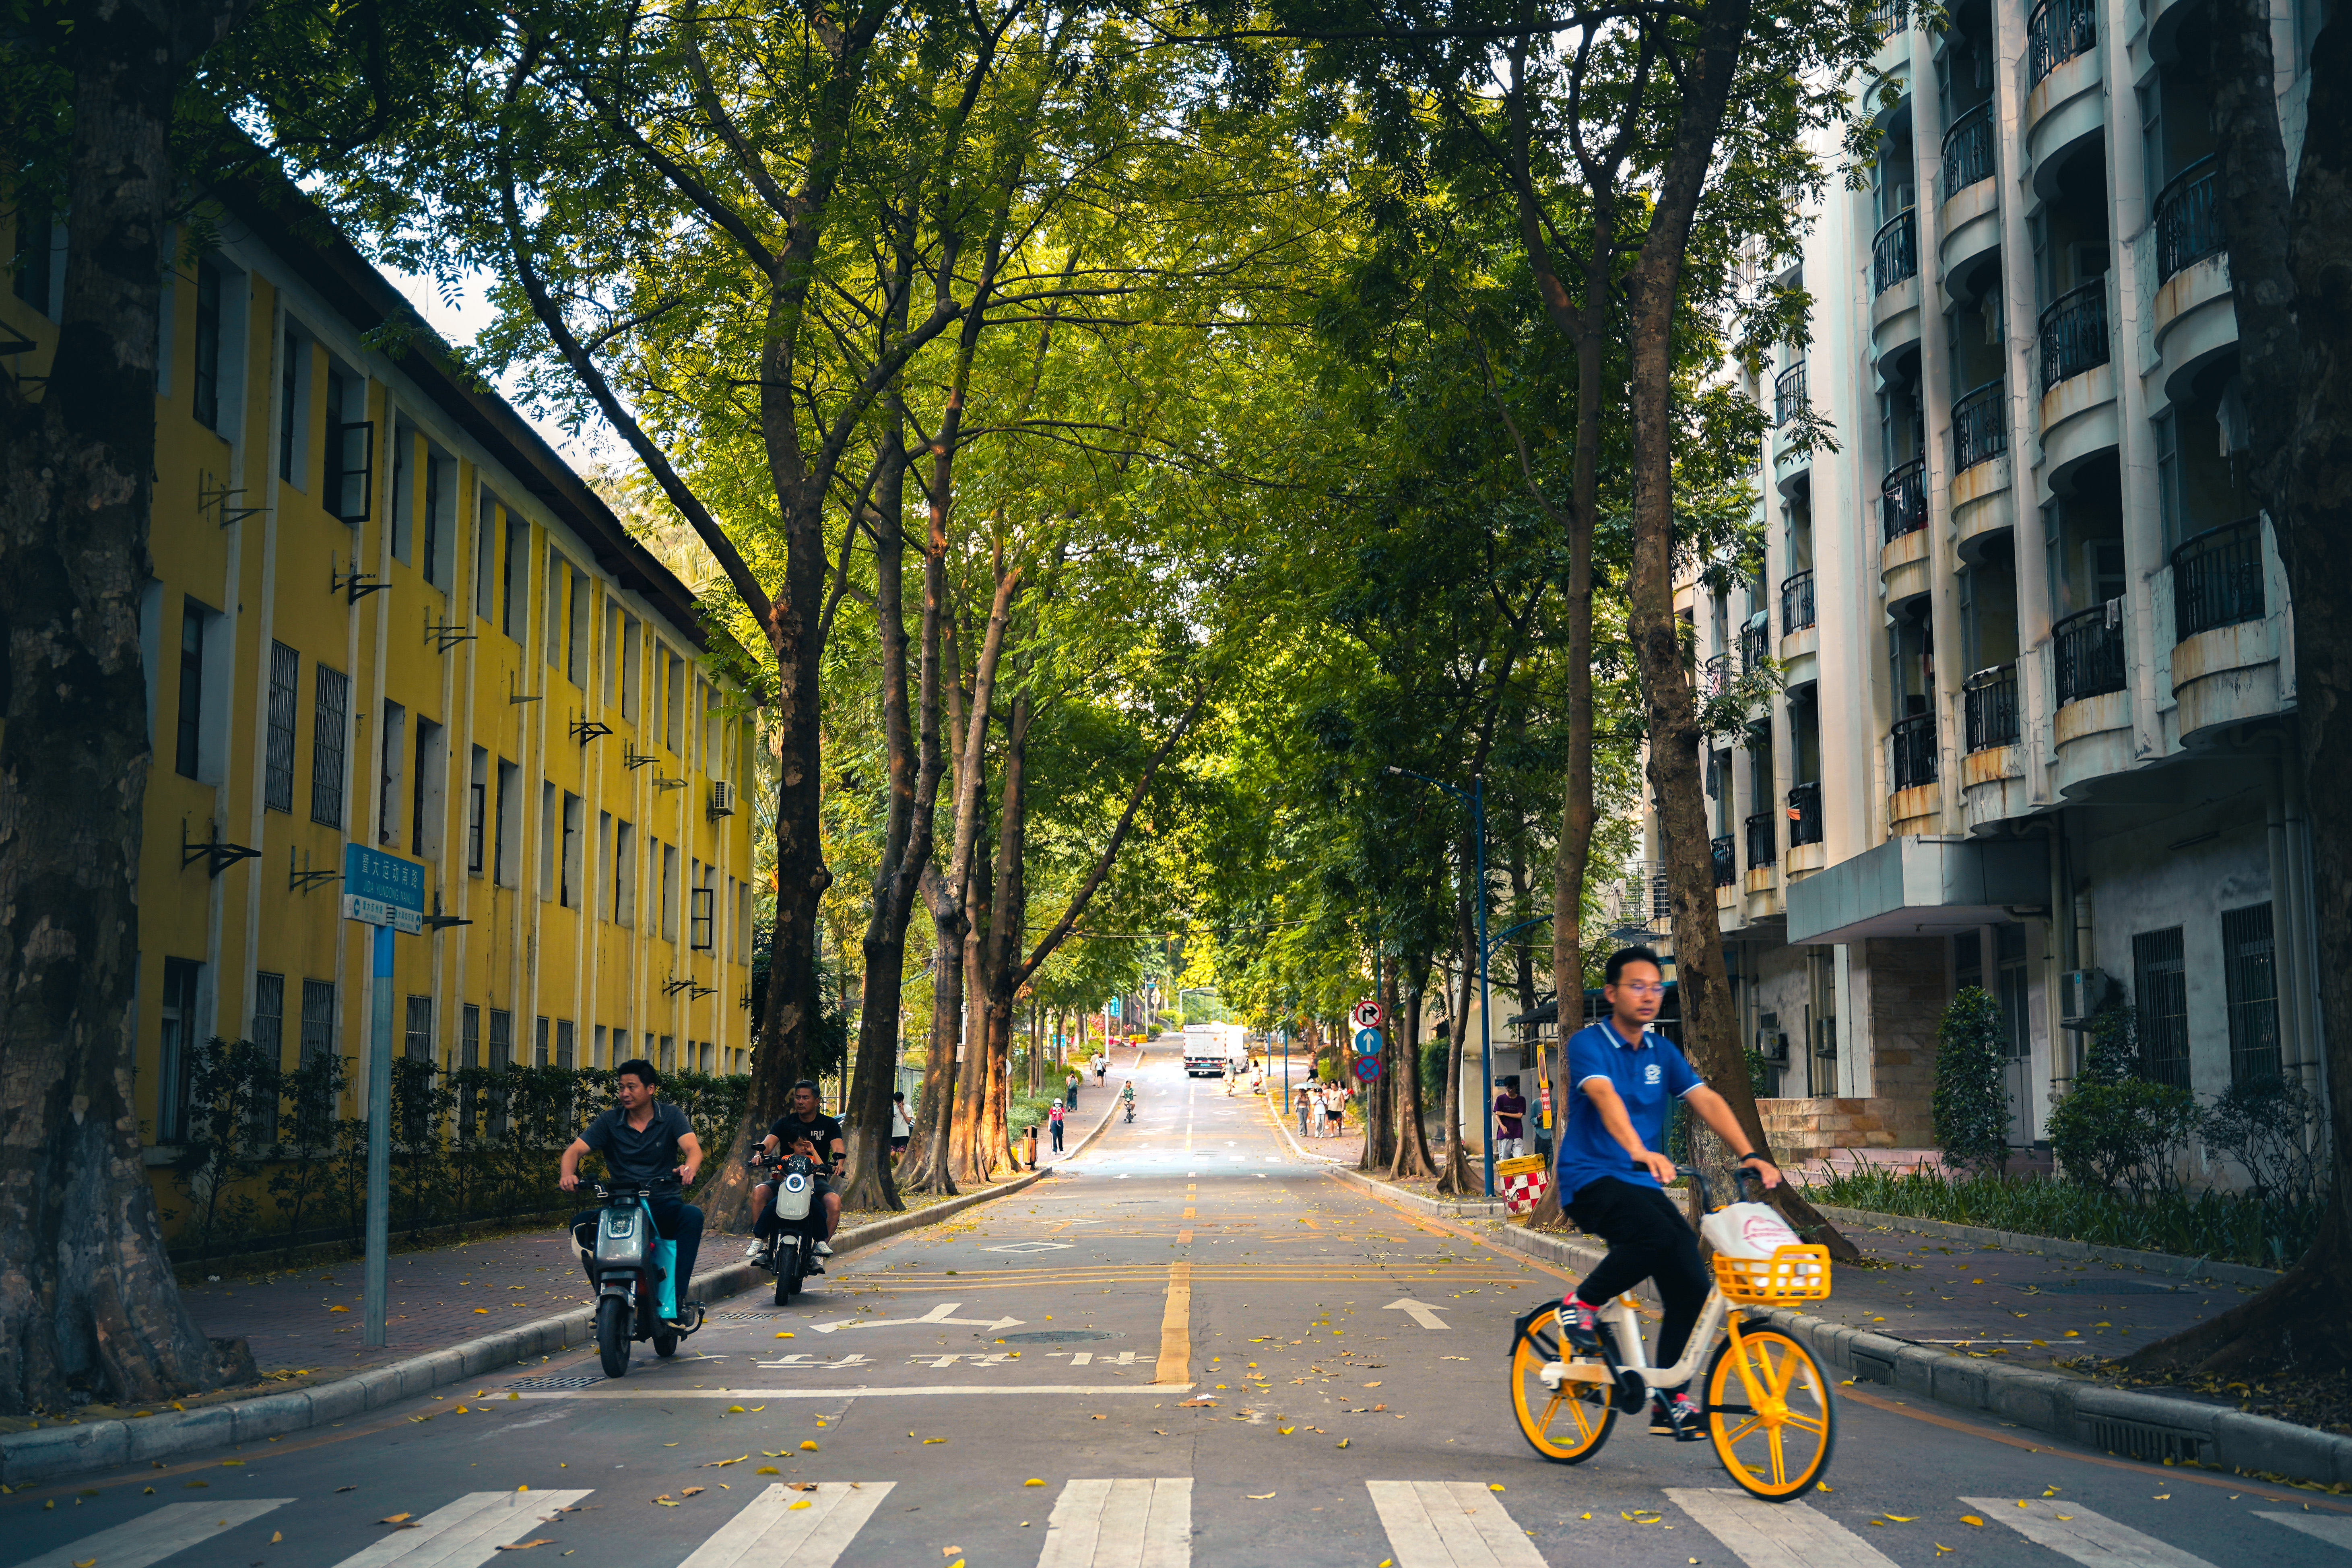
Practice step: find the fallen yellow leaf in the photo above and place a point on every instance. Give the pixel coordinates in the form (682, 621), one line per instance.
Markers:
(527, 1545)
(808, 1445)
(1257, 1497)
(693, 1491)
(1972, 1519)
(393, 1519)
(766, 1471)
(722, 1464)
(1343, 1442)
(1033, 1482)
(802, 1503)
(276, 1536)
(1494, 1486)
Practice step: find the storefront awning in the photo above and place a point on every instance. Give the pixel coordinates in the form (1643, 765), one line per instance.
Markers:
(1918, 886)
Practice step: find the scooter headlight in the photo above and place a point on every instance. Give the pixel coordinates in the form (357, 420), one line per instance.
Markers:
(795, 1182)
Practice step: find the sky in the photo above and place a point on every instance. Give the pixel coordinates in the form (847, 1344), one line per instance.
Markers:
(462, 323)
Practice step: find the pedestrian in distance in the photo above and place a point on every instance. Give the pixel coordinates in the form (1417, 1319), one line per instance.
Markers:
(1335, 1105)
(1054, 1120)
(1510, 1119)
(901, 1128)
(1305, 1105)
(1071, 1098)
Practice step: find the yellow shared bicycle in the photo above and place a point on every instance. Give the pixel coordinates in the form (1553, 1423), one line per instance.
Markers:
(1768, 1401)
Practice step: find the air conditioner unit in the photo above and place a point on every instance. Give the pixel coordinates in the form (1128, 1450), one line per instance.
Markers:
(2081, 993)
(722, 799)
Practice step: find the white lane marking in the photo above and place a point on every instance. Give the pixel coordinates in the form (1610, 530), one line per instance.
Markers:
(465, 1534)
(854, 1390)
(808, 1530)
(1775, 1534)
(2093, 1540)
(1450, 1524)
(2333, 1528)
(174, 1527)
(938, 1314)
(1421, 1313)
(1132, 1523)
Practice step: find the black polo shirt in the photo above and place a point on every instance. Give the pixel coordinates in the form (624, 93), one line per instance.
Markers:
(641, 1157)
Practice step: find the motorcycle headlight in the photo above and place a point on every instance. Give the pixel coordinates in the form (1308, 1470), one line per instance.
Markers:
(795, 1182)
(621, 1225)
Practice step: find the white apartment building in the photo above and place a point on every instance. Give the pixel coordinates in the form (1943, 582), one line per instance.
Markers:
(2039, 675)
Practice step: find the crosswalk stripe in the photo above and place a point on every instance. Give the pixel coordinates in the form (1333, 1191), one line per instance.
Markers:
(464, 1534)
(1776, 1535)
(1135, 1524)
(806, 1529)
(174, 1527)
(2332, 1528)
(1450, 1524)
(2093, 1540)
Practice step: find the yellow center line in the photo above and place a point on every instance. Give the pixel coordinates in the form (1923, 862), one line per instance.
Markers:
(1176, 1328)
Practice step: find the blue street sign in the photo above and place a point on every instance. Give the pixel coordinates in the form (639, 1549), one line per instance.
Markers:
(1368, 1042)
(1367, 1069)
(1113, 1008)
(382, 889)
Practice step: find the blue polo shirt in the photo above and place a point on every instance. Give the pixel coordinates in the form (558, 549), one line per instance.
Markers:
(1647, 1075)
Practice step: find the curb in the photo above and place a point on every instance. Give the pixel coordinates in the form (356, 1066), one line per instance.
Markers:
(2147, 1426)
(1438, 1207)
(46, 1452)
(2057, 1247)
(1073, 1151)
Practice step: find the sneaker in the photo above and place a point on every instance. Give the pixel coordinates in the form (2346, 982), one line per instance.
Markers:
(751, 1253)
(1676, 1415)
(1582, 1326)
(815, 1267)
(825, 1249)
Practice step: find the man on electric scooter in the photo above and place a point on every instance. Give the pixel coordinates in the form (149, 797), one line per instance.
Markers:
(642, 1143)
(802, 1129)
(1622, 1079)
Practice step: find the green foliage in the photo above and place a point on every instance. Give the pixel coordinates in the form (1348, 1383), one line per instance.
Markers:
(2125, 1138)
(1972, 1103)
(2111, 1053)
(2266, 1232)
(2275, 1130)
(232, 1099)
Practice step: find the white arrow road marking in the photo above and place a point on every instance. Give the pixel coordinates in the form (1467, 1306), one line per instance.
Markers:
(938, 1314)
(1421, 1313)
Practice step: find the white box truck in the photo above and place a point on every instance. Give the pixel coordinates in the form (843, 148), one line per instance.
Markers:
(1210, 1048)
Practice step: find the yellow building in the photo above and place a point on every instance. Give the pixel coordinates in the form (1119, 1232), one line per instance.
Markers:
(384, 611)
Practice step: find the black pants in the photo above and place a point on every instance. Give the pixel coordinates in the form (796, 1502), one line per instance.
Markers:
(1648, 1239)
(674, 1220)
(1057, 1135)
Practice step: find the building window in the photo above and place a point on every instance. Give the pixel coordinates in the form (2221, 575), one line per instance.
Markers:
(620, 1048)
(334, 689)
(564, 1039)
(631, 673)
(502, 1039)
(568, 860)
(469, 1055)
(2249, 966)
(318, 1020)
(669, 892)
(596, 1058)
(539, 1057)
(546, 839)
(486, 557)
(478, 790)
(289, 403)
(702, 918)
(188, 752)
(206, 391)
(668, 1062)
(510, 783)
(418, 1047)
(431, 769)
(268, 1036)
(388, 796)
(350, 451)
(511, 615)
(180, 1043)
(2160, 989)
(674, 701)
(624, 874)
(285, 676)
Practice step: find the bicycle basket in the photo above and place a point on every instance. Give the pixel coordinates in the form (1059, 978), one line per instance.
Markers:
(1790, 1274)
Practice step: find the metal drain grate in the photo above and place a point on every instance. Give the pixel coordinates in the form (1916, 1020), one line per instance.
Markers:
(546, 1384)
(743, 1317)
(2139, 1440)
(1061, 1337)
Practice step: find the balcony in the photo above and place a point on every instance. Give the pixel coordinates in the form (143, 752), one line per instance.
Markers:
(1969, 150)
(1888, 17)
(1763, 840)
(2088, 649)
(2217, 578)
(2057, 32)
(1755, 643)
(1894, 253)
(1715, 676)
(1903, 499)
(1727, 873)
(1913, 743)
(1980, 427)
(1796, 602)
(1787, 394)
(2075, 333)
(1989, 697)
(1804, 814)
(2189, 219)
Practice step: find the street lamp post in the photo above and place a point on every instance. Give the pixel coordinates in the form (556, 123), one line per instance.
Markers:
(1476, 801)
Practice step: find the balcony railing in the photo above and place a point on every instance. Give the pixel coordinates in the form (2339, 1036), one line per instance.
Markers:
(1715, 676)
(1903, 500)
(2217, 578)
(1763, 839)
(1969, 150)
(1755, 643)
(1725, 871)
(1894, 254)
(1990, 698)
(1796, 602)
(1980, 427)
(1888, 17)
(2075, 333)
(1787, 394)
(1804, 814)
(2090, 652)
(2189, 219)
(1913, 741)
(2057, 32)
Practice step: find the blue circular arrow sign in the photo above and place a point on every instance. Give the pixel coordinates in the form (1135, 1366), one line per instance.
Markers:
(1368, 1042)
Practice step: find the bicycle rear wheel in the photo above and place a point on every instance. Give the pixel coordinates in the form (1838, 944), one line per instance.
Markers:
(1777, 1443)
(1566, 1426)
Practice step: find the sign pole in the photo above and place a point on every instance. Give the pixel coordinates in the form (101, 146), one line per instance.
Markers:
(379, 1126)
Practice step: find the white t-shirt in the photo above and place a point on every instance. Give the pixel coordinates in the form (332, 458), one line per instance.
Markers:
(900, 1127)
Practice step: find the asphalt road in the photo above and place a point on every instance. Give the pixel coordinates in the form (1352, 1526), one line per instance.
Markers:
(1025, 1384)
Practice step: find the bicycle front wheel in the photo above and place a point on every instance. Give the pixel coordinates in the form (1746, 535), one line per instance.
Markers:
(1566, 1426)
(1776, 1443)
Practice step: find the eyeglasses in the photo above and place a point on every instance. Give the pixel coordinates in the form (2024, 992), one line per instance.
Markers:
(1641, 988)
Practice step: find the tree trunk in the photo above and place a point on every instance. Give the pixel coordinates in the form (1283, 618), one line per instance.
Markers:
(927, 1166)
(2294, 299)
(1412, 1161)
(1453, 1168)
(1381, 1095)
(88, 1303)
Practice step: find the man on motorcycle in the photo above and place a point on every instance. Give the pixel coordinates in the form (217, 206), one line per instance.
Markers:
(803, 1130)
(642, 1143)
(1127, 1095)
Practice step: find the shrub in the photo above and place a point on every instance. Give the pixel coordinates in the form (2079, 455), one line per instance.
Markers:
(1971, 1104)
(232, 1106)
(2124, 1137)
(2266, 1124)
(2112, 1053)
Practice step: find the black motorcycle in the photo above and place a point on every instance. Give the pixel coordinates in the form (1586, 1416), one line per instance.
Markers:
(791, 1253)
(635, 1270)
(1131, 1110)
